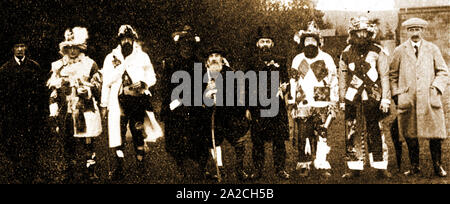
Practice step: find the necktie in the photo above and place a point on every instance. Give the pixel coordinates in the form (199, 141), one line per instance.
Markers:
(417, 50)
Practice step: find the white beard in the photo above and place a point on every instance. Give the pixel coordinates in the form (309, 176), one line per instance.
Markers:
(215, 67)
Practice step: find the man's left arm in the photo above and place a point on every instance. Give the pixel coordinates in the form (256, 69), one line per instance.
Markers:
(332, 76)
(383, 71)
(441, 71)
(284, 78)
(149, 73)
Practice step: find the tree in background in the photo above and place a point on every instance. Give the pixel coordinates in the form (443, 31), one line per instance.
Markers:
(232, 23)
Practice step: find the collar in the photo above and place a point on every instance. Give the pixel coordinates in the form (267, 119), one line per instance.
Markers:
(416, 43)
(18, 60)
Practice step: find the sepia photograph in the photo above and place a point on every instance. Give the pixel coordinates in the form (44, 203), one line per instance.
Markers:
(242, 92)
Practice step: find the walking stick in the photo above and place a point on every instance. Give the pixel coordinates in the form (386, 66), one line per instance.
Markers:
(108, 153)
(219, 179)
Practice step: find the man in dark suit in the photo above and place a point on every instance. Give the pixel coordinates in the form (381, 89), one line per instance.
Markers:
(269, 129)
(21, 112)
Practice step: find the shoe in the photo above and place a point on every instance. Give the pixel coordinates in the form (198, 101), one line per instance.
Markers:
(208, 176)
(383, 174)
(352, 174)
(242, 175)
(304, 172)
(326, 174)
(92, 176)
(283, 174)
(439, 171)
(118, 174)
(256, 176)
(413, 171)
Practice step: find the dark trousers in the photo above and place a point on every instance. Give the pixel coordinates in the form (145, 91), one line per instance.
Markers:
(413, 149)
(370, 113)
(75, 149)
(239, 150)
(25, 168)
(395, 135)
(278, 152)
(133, 114)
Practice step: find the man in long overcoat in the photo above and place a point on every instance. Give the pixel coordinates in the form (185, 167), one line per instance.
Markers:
(21, 112)
(418, 78)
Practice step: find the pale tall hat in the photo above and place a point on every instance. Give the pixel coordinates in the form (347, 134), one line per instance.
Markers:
(76, 36)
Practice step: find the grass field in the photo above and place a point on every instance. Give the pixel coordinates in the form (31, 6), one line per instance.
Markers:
(160, 167)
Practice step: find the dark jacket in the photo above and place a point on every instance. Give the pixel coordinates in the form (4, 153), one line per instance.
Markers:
(269, 127)
(186, 127)
(230, 122)
(23, 106)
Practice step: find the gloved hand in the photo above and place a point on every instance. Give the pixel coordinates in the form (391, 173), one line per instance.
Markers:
(342, 106)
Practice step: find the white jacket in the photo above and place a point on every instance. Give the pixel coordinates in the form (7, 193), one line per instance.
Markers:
(139, 68)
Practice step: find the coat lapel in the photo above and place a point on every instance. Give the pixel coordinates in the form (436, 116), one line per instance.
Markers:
(422, 51)
(411, 51)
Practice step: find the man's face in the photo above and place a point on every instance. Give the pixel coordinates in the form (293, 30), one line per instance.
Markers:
(127, 46)
(186, 49)
(215, 62)
(19, 50)
(415, 33)
(125, 40)
(311, 47)
(310, 41)
(265, 43)
(73, 51)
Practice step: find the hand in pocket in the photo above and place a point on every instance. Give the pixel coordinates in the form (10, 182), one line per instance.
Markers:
(435, 98)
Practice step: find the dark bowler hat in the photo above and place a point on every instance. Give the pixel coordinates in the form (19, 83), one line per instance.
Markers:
(216, 49)
(19, 39)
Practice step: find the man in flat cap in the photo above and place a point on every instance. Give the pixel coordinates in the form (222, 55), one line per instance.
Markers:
(419, 76)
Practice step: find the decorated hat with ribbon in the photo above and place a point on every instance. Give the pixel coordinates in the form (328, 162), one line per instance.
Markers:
(186, 34)
(312, 30)
(76, 36)
(127, 31)
(362, 23)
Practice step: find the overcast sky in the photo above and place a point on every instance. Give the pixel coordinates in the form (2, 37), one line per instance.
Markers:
(355, 5)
